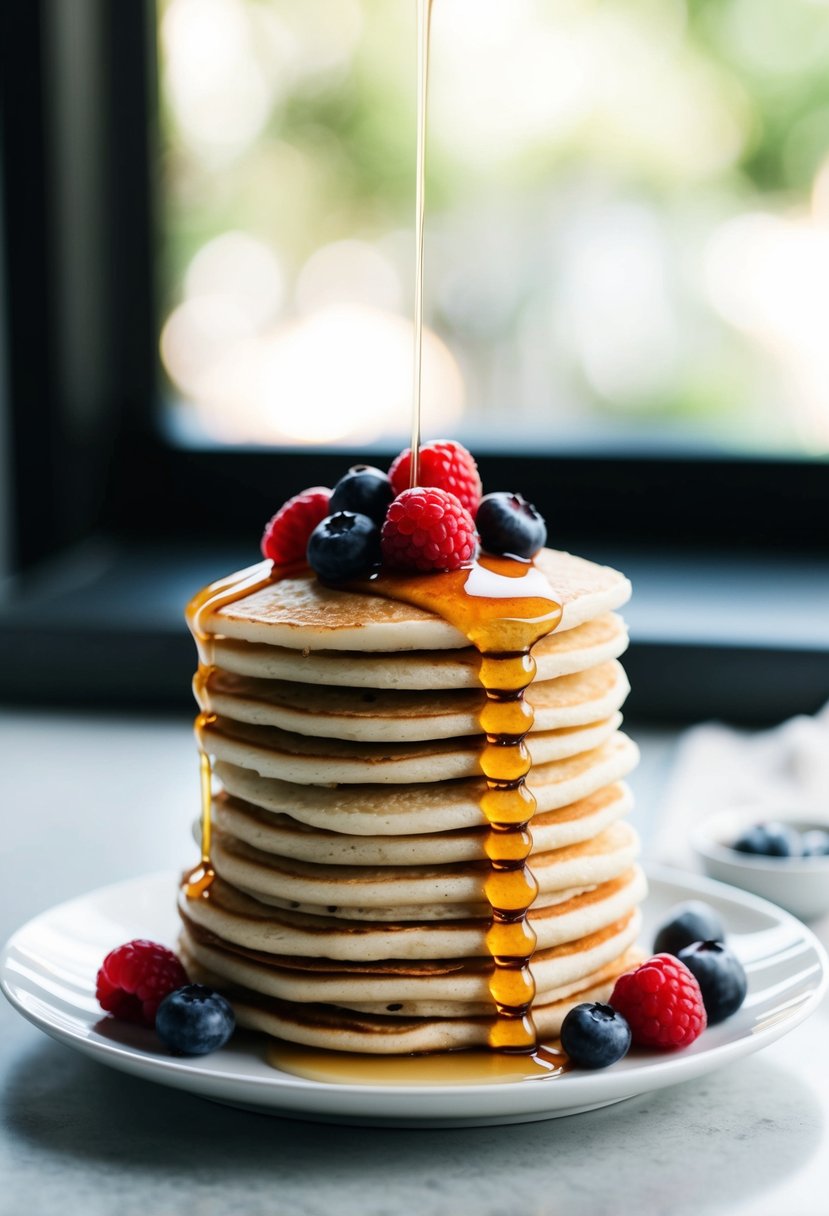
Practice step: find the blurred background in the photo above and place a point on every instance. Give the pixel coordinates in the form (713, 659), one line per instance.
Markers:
(628, 222)
(207, 269)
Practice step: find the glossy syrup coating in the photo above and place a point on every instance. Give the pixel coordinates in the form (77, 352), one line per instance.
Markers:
(503, 606)
(209, 600)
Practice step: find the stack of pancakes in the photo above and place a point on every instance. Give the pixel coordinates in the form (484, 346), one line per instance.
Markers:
(348, 910)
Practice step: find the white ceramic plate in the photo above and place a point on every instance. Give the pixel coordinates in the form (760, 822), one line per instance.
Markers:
(48, 969)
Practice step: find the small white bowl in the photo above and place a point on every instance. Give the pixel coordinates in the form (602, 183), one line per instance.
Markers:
(799, 884)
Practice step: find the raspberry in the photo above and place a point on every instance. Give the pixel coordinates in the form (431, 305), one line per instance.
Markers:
(444, 464)
(135, 978)
(286, 535)
(662, 1003)
(427, 529)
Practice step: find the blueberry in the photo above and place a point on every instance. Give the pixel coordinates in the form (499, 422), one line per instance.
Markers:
(343, 546)
(720, 975)
(692, 921)
(194, 1020)
(770, 840)
(363, 490)
(508, 524)
(815, 843)
(595, 1035)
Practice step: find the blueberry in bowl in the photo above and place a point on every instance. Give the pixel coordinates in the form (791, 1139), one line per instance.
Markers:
(779, 853)
(771, 839)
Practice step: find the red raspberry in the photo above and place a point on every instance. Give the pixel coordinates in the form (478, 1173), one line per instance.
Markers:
(285, 538)
(135, 978)
(442, 463)
(662, 1003)
(427, 529)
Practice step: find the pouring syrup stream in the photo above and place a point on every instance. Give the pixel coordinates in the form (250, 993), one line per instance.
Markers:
(424, 22)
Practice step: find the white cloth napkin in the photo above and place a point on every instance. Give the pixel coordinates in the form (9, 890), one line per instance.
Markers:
(717, 767)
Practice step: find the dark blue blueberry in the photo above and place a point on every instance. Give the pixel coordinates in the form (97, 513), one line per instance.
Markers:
(194, 1020)
(692, 921)
(770, 840)
(363, 490)
(507, 523)
(815, 843)
(343, 546)
(594, 1035)
(720, 975)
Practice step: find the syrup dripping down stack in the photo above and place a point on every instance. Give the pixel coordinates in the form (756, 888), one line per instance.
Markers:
(351, 906)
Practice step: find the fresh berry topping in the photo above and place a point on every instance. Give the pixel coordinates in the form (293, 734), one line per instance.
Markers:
(428, 529)
(444, 464)
(194, 1020)
(365, 491)
(815, 843)
(662, 1003)
(343, 546)
(509, 524)
(135, 978)
(720, 975)
(770, 840)
(285, 538)
(595, 1035)
(693, 921)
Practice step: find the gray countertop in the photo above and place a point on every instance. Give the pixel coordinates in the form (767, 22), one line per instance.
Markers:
(89, 800)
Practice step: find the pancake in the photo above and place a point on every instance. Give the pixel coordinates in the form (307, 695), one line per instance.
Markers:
(414, 892)
(272, 752)
(244, 920)
(559, 654)
(396, 716)
(302, 614)
(365, 810)
(287, 837)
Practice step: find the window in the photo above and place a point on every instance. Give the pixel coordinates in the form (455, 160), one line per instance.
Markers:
(703, 471)
(627, 224)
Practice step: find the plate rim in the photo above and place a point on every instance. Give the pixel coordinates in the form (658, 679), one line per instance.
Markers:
(308, 1096)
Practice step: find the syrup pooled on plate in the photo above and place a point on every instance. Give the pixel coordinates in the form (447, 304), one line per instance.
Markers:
(440, 1068)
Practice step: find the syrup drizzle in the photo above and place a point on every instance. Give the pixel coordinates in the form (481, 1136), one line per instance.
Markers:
(503, 606)
(424, 21)
(210, 599)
